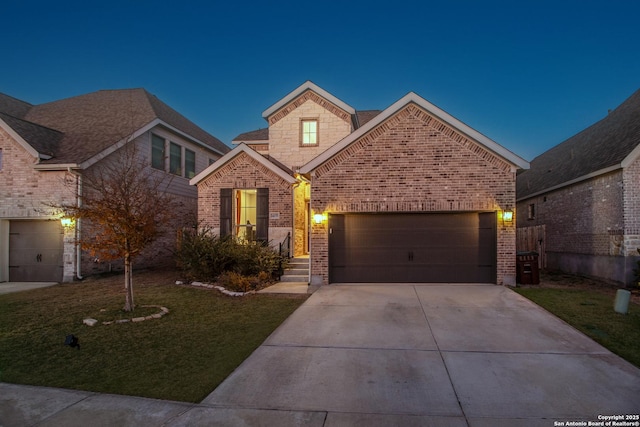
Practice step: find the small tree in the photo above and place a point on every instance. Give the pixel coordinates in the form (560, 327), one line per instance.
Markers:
(126, 203)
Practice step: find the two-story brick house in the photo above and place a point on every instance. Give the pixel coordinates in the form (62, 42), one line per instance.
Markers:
(408, 194)
(585, 192)
(45, 150)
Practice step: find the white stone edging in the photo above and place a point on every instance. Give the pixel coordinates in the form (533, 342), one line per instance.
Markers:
(163, 311)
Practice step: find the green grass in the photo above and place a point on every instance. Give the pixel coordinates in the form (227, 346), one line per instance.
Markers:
(182, 356)
(591, 312)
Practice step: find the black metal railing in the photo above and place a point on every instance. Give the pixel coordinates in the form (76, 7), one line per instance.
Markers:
(285, 253)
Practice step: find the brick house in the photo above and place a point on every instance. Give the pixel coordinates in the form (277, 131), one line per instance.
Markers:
(585, 192)
(44, 151)
(408, 194)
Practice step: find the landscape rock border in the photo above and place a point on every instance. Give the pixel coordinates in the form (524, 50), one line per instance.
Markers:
(217, 287)
(163, 311)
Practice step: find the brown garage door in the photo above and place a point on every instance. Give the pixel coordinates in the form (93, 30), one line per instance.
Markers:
(413, 248)
(35, 251)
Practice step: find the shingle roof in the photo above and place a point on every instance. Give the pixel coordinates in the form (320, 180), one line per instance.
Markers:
(12, 106)
(603, 145)
(365, 115)
(43, 140)
(88, 124)
(254, 135)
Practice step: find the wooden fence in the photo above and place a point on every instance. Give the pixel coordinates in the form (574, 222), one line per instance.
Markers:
(533, 239)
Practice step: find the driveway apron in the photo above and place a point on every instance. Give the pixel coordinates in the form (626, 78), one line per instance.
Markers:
(441, 355)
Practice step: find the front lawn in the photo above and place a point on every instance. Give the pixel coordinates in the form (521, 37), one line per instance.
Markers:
(182, 356)
(587, 305)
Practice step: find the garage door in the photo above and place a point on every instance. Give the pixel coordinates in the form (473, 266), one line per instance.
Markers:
(35, 251)
(413, 248)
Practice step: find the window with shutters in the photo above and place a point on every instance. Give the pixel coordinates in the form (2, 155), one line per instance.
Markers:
(244, 213)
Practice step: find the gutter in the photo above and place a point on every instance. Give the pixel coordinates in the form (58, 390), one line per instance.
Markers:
(78, 231)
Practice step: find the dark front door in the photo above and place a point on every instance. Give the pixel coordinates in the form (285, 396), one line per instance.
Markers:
(413, 248)
(35, 251)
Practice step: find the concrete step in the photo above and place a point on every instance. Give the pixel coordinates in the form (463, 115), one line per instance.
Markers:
(296, 271)
(295, 278)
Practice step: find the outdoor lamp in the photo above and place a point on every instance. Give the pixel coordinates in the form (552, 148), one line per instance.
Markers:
(507, 215)
(319, 218)
(66, 221)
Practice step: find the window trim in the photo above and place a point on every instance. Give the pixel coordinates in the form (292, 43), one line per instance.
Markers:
(164, 152)
(186, 170)
(179, 170)
(302, 133)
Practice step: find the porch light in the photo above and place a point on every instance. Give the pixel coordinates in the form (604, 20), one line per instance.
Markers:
(66, 221)
(319, 218)
(507, 215)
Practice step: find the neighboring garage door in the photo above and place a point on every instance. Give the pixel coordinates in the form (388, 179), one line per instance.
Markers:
(413, 248)
(35, 251)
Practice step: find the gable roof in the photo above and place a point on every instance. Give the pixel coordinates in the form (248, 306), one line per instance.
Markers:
(411, 97)
(86, 126)
(274, 166)
(255, 136)
(308, 85)
(602, 147)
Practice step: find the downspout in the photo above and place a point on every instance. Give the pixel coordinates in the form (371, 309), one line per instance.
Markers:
(78, 225)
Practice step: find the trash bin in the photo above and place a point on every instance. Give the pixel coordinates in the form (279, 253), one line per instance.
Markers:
(527, 271)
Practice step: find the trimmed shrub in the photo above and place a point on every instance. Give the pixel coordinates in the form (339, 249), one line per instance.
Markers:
(204, 256)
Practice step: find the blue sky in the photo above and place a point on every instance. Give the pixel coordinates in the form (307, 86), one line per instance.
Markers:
(527, 74)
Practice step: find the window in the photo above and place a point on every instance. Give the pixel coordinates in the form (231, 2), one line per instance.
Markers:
(531, 214)
(0, 159)
(175, 158)
(309, 132)
(244, 214)
(189, 163)
(157, 152)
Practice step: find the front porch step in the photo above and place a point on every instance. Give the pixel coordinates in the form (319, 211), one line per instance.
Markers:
(295, 278)
(297, 270)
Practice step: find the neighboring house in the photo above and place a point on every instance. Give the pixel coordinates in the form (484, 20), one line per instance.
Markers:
(585, 192)
(45, 149)
(408, 194)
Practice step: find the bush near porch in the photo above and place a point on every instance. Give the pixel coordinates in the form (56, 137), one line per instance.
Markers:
(240, 266)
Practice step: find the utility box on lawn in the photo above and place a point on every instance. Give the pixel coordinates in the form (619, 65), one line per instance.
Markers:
(527, 271)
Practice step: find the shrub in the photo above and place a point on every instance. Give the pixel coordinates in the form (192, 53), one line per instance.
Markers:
(204, 256)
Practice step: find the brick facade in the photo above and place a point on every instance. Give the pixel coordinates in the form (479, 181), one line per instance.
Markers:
(592, 226)
(414, 163)
(27, 193)
(243, 172)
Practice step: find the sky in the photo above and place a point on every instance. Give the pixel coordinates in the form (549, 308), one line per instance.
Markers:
(527, 74)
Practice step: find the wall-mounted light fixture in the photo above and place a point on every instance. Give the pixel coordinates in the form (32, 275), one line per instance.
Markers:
(66, 221)
(507, 215)
(319, 218)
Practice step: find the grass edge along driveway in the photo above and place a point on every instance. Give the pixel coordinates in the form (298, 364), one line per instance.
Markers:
(591, 312)
(182, 356)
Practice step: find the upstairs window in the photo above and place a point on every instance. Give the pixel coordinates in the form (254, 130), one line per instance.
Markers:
(308, 132)
(157, 152)
(189, 163)
(175, 159)
(531, 212)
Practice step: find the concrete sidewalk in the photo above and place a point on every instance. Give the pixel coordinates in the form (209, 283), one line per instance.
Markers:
(379, 355)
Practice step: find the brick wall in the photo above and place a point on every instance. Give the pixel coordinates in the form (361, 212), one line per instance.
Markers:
(414, 163)
(243, 172)
(584, 218)
(631, 203)
(284, 129)
(28, 194)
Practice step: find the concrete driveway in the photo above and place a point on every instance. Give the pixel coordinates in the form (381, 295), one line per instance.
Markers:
(381, 355)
